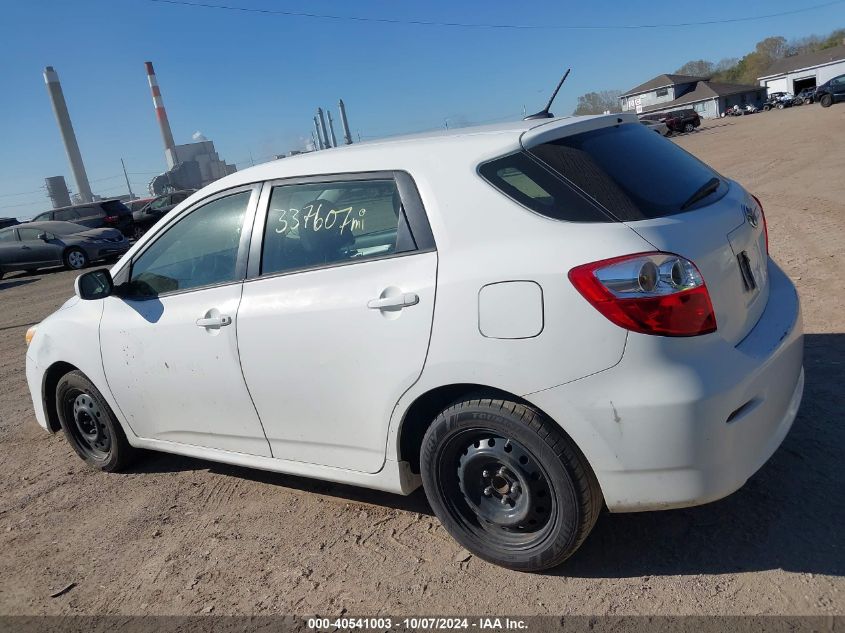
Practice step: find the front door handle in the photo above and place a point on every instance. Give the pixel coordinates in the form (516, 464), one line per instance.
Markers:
(215, 322)
(398, 301)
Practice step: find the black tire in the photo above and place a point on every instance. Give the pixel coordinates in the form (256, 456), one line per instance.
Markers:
(89, 424)
(780, 106)
(138, 232)
(508, 485)
(767, 107)
(76, 258)
(826, 101)
(688, 127)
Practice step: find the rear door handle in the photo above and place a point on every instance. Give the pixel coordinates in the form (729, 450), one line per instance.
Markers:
(399, 301)
(216, 322)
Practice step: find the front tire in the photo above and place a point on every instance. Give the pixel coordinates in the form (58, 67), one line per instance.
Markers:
(76, 259)
(508, 485)
(689, 127)
(89, 424)
(826, 101)
(137, 232)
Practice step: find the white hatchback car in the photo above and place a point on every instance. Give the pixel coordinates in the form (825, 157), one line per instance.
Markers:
(533, 320)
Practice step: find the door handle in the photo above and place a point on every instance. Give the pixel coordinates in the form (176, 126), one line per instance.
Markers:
(215, 322)
(399, 301)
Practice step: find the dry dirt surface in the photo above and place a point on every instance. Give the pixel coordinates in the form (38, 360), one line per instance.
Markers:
(183, 536)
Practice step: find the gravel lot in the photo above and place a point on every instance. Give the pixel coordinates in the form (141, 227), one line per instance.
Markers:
(183, 536)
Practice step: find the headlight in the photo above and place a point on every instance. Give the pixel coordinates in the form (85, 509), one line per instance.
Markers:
(30, 334)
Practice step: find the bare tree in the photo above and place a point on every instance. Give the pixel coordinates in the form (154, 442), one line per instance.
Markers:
(599, 102)
(696, 68)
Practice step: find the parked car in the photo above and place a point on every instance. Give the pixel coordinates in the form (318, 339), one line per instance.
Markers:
(35, 245)
(137, 204)
(156, 209)
(657, 126)
(805, 96)
(4, 222)
(685, 120)
(608, 331)
(832, 91)
(109, 214)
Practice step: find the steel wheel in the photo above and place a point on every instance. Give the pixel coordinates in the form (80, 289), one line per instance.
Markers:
(88, 429)
(504, 491)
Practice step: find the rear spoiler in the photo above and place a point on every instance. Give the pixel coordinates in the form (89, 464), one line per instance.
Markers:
(559, 128)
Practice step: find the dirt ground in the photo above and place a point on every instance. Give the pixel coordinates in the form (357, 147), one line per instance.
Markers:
(183, 536)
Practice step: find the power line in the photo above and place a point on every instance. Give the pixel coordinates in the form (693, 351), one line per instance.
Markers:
(22, 193)
(573, 27)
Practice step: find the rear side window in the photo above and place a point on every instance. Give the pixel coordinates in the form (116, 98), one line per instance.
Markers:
(65, 215)
(629, 170)
(538, 188)
(7, 236)
(324, 224)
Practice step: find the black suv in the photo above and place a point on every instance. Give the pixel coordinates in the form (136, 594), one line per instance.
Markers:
(156, 209)
(832, 91)
(677, 120)
(4, 222)
(103, 214)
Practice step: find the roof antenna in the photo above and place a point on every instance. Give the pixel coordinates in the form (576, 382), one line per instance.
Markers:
(544, 113)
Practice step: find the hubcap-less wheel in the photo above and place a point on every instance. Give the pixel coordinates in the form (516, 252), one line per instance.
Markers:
(137, 233)
(89, 428)
(76, 259)
(503, 485)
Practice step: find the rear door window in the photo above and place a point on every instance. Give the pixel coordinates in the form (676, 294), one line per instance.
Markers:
(630, 171)
(324, 224)
(67, 215)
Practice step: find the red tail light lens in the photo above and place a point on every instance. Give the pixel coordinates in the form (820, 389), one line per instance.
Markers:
(111, 219)
(765, 224)
(650, 293)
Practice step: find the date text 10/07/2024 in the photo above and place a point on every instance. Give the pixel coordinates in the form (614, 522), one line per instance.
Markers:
(289, 219)
(417, 623)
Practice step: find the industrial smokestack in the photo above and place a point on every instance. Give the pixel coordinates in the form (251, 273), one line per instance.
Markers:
(325, 137)
(57, 98)
(347, 137)
(161, 115)
(57, 190)
(319, 144)
(331, 128)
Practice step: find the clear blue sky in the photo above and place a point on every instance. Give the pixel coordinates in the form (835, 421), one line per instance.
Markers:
(251, 82)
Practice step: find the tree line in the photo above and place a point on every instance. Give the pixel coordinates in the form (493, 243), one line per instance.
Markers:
(743, 70)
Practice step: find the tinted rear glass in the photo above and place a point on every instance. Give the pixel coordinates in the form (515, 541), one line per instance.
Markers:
(113, 207)
(629, 170)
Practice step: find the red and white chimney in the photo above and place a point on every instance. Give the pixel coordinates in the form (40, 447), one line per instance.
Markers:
(161, 115)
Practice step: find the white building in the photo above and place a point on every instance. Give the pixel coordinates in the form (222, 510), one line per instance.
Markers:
(794, 74)
(203, 153)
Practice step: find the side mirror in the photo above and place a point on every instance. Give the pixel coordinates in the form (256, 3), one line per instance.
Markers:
(93, 285)
(43, 236)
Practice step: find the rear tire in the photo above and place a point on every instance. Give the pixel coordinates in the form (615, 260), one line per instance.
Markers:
(89, 424)
(688, 127)
(508, 485)
(826, 101)
(75, 258)
(137, 232)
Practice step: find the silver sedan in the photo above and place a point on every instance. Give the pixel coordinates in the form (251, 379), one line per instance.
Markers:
(35, 245)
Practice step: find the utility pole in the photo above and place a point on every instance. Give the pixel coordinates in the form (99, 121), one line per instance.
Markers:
(125, 175)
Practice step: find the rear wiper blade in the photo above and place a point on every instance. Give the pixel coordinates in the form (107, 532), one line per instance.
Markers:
(702, 192)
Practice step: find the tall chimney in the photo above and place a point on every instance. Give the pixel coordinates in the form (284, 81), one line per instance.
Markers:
(347, 137)
(57, 98)
(331, 128)
(322, 120)
(319, 138)
(161, 115)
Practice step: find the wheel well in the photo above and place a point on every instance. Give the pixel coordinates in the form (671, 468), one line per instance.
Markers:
(425, 408)
(48, 393)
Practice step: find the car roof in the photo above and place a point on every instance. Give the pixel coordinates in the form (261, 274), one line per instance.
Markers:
(51, 225)
(472, 145)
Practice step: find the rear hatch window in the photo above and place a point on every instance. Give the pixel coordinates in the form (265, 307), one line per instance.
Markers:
(631, 172)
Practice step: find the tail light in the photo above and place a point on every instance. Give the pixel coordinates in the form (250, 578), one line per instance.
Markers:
(651, 293)
(765, 225)
(111, 219)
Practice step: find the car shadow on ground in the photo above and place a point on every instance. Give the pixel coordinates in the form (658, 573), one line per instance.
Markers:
(14, 283)
(788, 516)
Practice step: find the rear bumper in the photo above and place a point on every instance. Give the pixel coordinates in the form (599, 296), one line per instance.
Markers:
(682, 422)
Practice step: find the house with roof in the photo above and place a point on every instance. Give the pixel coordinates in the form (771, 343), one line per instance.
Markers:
(794, 74)
(676, 92)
